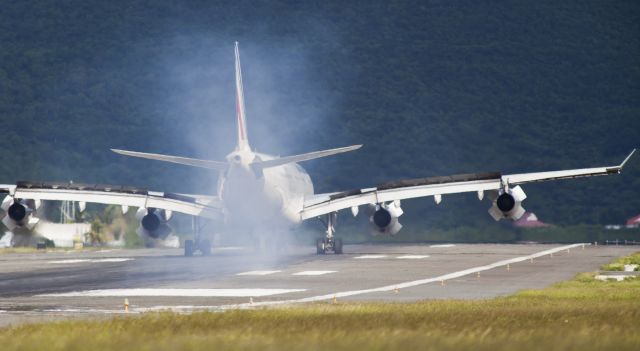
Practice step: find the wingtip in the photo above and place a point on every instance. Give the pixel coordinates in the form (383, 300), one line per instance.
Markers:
(627, 159)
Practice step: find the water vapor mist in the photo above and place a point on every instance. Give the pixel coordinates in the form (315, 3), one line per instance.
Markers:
(286, 106)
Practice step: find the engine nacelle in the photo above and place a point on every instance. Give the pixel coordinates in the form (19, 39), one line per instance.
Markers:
(384, 218)
(153, 223)
(20, 213)
(508, 204)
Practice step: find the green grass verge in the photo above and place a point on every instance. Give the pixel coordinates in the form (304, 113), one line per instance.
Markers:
(581, 314)
(618, 265)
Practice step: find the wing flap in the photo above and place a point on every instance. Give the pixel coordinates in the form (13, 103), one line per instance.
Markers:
(208, 207)
(321, 204)
(523, 178)
(314, 208)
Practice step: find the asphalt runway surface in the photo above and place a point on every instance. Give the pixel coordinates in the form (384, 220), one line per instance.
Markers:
(52, 285)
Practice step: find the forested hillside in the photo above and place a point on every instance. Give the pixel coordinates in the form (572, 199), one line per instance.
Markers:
(429, 87)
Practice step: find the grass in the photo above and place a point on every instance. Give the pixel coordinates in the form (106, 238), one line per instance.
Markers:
(10, 250)
(618, 265)
(580, 314)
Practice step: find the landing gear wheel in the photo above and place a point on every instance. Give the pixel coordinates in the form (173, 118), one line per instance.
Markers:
(188, 248)
(337, 246)
(320, 247)
(205, 247)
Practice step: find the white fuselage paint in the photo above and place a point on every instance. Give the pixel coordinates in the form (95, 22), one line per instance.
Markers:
(273, 196)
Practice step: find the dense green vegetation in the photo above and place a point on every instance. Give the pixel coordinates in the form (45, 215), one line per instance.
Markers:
(581, 314)
(430, 88)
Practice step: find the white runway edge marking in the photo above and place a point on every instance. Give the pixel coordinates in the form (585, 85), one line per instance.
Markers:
(412, 257)
(442, 246)
(370, 256)
(174, 293)
(230, 248)
(258, 273)
(98, 260)
(313, 272)
(388, 288)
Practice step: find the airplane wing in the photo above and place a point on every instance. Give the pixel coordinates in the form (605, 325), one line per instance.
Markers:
(322, 204)
(196, 205)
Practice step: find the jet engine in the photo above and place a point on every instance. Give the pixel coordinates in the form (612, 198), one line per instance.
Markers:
(384, 218)
(153, 223)
(507, 203)
(20, 213)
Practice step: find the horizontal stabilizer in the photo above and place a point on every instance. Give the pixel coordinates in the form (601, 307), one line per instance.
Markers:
(302, 157)
(215, 165)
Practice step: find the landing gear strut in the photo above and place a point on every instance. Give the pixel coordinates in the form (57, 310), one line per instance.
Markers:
(329, 242)
(198, 244)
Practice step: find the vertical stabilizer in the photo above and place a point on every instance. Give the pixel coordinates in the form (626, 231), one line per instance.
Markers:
(243, 142)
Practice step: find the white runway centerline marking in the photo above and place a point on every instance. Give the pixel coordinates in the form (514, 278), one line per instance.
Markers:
(175, 293)
(97, 260)
(313, 272)
(364, 257)
(258, 273)
(442, 246)
(412, 257)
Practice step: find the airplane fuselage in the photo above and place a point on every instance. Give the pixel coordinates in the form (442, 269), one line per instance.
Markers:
(272, 196)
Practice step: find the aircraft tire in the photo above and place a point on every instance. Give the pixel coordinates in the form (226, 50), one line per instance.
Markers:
(320, 250)
(337, 246)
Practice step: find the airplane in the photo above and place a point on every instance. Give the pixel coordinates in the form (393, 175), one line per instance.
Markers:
(264, 191)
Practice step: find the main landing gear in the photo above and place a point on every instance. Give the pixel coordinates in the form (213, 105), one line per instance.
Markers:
(198, 244)
(329, 242)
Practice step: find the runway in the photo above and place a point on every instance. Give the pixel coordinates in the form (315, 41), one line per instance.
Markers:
(49, 285)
